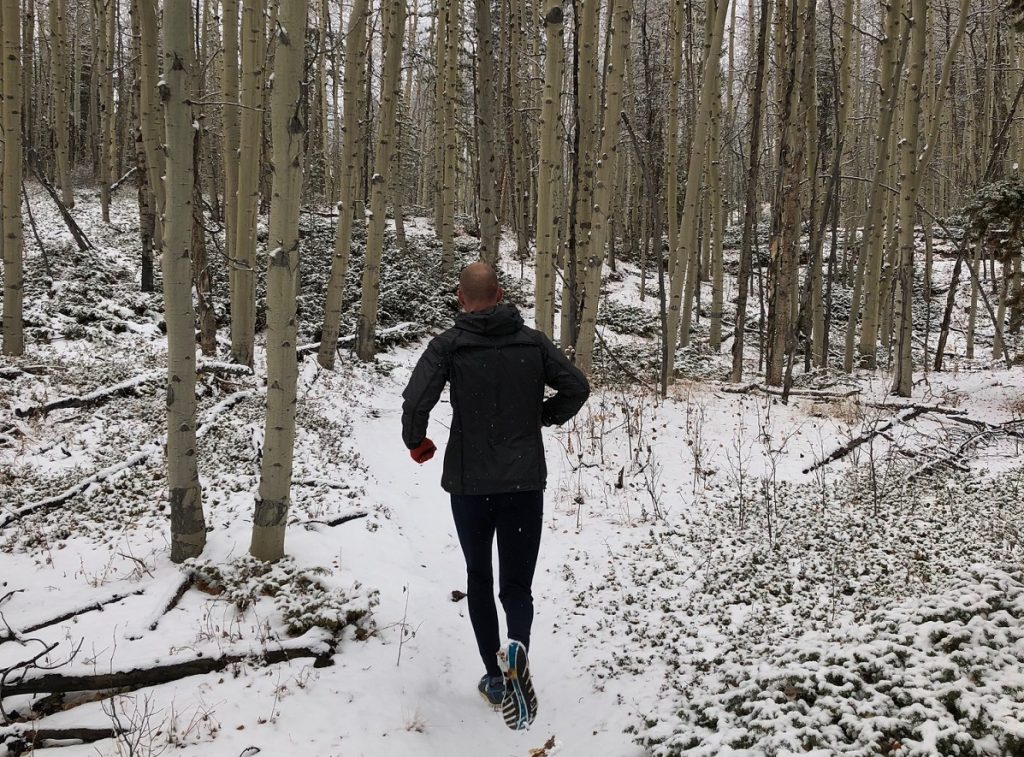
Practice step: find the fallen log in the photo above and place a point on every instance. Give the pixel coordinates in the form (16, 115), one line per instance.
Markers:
(810, 393)
(23, 739)
(317, 644)
(121, 389)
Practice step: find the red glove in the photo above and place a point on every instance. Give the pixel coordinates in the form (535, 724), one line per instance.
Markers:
(423, 452)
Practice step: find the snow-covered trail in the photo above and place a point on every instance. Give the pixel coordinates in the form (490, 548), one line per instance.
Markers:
(427, 704)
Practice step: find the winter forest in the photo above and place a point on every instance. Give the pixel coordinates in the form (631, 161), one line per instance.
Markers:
(782, 239)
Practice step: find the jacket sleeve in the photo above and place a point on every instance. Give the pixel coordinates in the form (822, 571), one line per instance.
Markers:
(423, 391)
(567, 380)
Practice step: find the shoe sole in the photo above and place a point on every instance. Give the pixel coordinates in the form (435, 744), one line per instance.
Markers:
(519, 706)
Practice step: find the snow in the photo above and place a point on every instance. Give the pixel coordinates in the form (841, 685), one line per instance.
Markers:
(690, 570)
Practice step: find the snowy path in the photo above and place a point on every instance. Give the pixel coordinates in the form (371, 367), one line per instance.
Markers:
(428, 704)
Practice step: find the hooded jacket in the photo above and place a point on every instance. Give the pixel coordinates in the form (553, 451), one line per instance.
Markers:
(497, 368)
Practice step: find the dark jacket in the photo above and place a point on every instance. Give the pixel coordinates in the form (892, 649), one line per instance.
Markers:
(498, 369)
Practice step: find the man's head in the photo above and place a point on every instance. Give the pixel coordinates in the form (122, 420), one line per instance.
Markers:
(478, 287)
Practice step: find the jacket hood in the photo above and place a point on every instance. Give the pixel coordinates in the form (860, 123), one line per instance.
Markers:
(500, 320)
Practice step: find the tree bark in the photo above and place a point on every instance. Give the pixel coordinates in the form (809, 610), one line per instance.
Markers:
(188, 525)
(243, 287)
(394, 33)
(288, 132)
(355, 72)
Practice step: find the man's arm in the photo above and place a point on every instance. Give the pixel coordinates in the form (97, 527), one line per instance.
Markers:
(567, 380)
(422, 392)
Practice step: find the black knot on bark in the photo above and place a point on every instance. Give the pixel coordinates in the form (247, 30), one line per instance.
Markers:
(554, 15)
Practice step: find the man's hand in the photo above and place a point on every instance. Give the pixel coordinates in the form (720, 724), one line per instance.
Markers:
(423, 452)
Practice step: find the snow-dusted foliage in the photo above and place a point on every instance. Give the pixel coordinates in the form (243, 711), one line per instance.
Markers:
(786, 619)
(939, 675)
(302, 598)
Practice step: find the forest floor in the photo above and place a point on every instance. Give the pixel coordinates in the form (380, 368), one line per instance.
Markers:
(717, 576)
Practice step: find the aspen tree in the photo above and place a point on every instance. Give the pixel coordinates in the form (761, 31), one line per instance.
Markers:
(688, 224)
(786, 232)
(588, 99)
(440, 76)
(549, 175)
(151, 116)
(13, 240)
(908, 187)
(750, 212)
(243, 288)
(103, 68)
(144, 193)
(230, 110)
(603, 183)
(287, 135)
(873, 227)
(188, 525)
(393, 31)
(355, 71)
(716, 233)
(486, 111)
(672, 131)
(450, 136)
(59, 90)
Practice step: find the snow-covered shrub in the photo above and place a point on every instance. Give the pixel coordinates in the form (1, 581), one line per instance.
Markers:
(302, 598)
(939, 675)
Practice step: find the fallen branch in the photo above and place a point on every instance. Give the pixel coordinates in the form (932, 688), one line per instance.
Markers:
(117, 184)
(124, 388)
(903, 416)
(144, 453)
(121, 389)
(168, 601)
(317, 643)
(951, 458)
(325, 482)
(13, 373)
(76, 231)
(337, 520)
(811, 393)
(91, 607)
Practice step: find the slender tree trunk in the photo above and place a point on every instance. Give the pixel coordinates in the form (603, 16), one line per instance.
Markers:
(908, 197)
(688, 224)
(450, 136)
(550, 170)
(13, 240)
(188, 525)
(490, 230)
(355, 72)
(287, 134)
(231, 116)
(59, 89)
(243, 287)
(151, 116)
(394, 32)
(603, 185)
(750, 210)
(873, 236)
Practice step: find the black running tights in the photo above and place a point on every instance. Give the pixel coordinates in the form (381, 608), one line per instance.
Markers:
(517, 519)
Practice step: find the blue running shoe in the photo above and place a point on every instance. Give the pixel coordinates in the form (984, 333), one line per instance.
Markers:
(492, 688)
(519, 705)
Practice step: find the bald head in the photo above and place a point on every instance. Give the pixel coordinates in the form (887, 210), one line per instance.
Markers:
(478, 287)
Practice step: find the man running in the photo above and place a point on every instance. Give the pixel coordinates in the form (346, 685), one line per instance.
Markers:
(494, 464)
